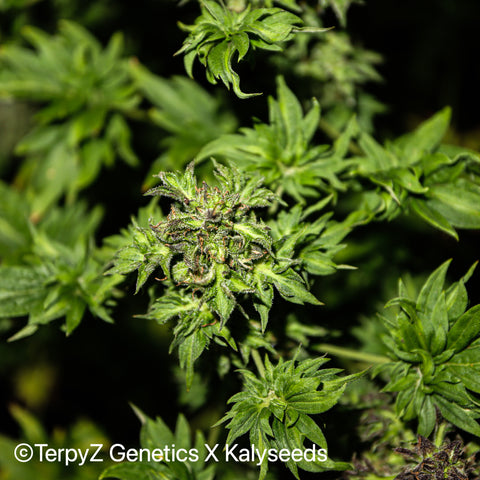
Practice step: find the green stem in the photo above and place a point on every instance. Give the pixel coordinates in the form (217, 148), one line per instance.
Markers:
(353, 354)
(258, 362)
(440, 434)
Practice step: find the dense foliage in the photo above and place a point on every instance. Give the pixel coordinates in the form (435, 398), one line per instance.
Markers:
(137, 194)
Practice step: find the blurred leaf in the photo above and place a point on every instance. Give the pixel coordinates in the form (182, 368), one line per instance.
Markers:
(340, 8)
(84, 91)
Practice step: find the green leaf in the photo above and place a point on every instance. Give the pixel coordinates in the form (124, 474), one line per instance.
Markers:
(265, 295)
(242, 44)
(145, 254)
(467, 373)
(311, 430)
(291, 116)
(188, 352)
(458, 202)
(223, 301)
(191, 116)
(377, 159)
(75, 314)
(408, 180)
(254, 232)
(457, 297)
(118, 133)
(155, 434)
(427, 417)
(454, 392)
(218, 33)
(425, 138)
(289, 284)
(311, 121)
(86, 124)
(465, 330)
(171, 305)
(439, 323)
(460, 417)
(423, 209)
(340, 8)
(32, 430)
(400, 384)
(431, 290)
(22, 290)
(315, 402)
(178, 187)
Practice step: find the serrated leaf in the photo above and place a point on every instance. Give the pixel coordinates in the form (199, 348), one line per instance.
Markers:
(400, 384)
(188, 352)
(468, 374)
(171, 305)
(74, 314)
(457, 415)
(457, 300)
(408, 180)
(242, 44)
(427, 418)
(223, 303)
(254, 233)
(423, 209)
(316, 402)
(425, 138)
(458, 202)
(155, 434)
(465, 330)
(263, 307)
(291, 115)
(289, 284)
(377, 159)
(432, 289)
(439, 322)
(22, 290)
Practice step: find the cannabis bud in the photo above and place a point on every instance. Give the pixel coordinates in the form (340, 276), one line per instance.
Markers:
(438, 463)
(212, 232)
(214, 254)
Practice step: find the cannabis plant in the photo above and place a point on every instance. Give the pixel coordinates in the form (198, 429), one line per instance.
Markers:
(433, 344)
(226, 236)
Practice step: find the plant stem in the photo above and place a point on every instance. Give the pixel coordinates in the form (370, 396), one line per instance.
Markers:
(353, 354)
(258, 362)
(440, 434)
